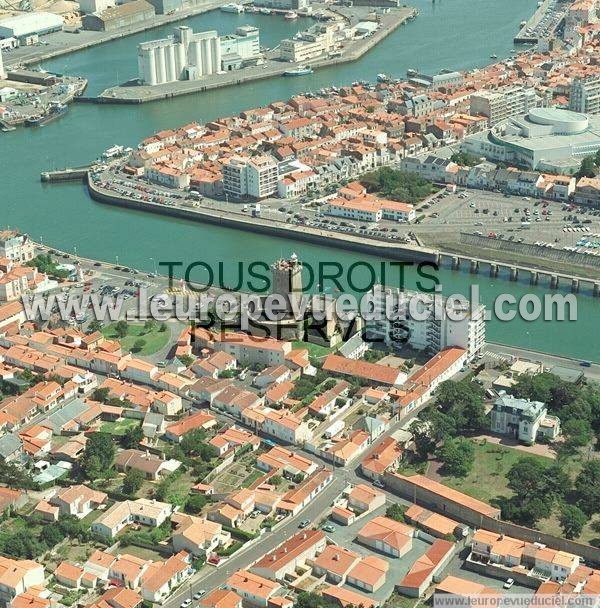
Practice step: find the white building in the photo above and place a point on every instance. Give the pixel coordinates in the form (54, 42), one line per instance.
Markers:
(30, 24)
(16, 247)
(584, 95)
(501, 104)
(430, 331)
(239, 48)
(254, 177)
(314, 42)
(2, 72)
(184, 56)
(523, 419)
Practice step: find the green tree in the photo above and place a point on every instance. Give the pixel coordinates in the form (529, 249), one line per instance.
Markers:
(395, 511)
(577, 432)
(150, 325)
(463, 402)
(421, 436)
(587, 486)
(195, 503)
(121, 329)
(458, 456)
(98, 456)
(572, 519)
(132, 437)
(93, 326)
(138, 345)
(587, 167)
(133, 482)
(51, 535)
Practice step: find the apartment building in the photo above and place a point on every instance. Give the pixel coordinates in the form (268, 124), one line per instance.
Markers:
(500, 104)
(16, 247)
(393, 324)
(250, 177)
(584, 95)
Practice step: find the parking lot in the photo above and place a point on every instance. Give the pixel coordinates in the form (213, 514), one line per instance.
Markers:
(518, 218)
(344, 537)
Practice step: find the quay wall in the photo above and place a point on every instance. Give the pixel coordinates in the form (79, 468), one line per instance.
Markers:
(397, 251)
(528, 249)
(144, 94)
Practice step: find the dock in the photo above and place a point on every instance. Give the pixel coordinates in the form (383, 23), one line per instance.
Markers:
(137, 94)
(532, 38)
(70, 174)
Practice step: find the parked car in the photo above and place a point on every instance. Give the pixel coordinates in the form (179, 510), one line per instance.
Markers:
(186, 603)
(199, 594)
(304, 523)
(509, 583)
(328, 528)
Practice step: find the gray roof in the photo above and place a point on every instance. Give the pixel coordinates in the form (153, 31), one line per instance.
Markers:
(9, 444)
(69, 412)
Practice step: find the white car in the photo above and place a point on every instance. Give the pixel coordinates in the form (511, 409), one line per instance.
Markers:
(509, 583)
(186, 603)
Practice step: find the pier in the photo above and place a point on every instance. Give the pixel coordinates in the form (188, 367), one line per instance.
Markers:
(136, 94)
(74, 174)
(532, 37)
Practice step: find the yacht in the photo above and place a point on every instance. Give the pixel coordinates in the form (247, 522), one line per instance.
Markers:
(383, 78)
(291, 15)
(265, 11)
(232, 7)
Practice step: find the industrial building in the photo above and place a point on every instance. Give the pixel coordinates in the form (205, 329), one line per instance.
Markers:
(310, 44)
(544, 139)
(503, 103)
(116, 17)
(30, 24)
(432, 330)
(190, 56)
(584, 96)
(94, 6)
(254, 177)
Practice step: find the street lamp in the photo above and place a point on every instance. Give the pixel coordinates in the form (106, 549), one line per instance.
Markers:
(154, 264)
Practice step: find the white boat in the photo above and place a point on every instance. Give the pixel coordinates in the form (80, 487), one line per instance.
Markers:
(411, 72)
(301, 70)
(232, 7)
(493, 56)
(291, 15)
(383, 78)
(265, 11)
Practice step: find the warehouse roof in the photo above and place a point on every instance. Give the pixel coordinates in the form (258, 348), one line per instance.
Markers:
(30, 23)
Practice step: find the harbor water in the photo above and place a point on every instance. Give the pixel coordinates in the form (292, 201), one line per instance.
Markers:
(454, 34)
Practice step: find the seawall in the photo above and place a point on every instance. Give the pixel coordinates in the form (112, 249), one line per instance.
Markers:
(396, 251)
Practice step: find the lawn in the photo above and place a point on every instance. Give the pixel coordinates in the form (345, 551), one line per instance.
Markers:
(252, 478)
(487, 479)
(118, 428)
(314, 350)
(154, 339)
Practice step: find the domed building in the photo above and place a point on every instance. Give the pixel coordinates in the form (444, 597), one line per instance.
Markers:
(544, 139)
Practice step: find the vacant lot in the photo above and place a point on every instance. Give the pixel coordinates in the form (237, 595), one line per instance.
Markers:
(487, 479)
(314, 350)
(154, 339)
(119, 427)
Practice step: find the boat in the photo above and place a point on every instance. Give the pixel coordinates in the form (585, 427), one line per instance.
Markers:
(383, 78)
(265, 11)
(493, 56)
(232, 7)
(54, 111)
(301, 70)
(291, 15)
(411, 72)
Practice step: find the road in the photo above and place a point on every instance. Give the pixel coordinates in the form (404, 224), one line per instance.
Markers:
(314, 512)
(548, 360)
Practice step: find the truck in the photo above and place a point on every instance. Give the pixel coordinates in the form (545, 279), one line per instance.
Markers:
(256, 210)
(525, 225)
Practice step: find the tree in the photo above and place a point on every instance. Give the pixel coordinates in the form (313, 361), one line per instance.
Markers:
(132, 437)
(121, 329)
(465, 159)
(458, 456)
(138, 345)
(572, 519)
(395, 512)
(149, 325)
(51, 535)
(463, 402)
(308, 599)
(275, 480)
(587, 168)
(14, 476)
(587, 486)
(98, 456)
(133, 482)
(578, 432)
(194, 444)
(163, 327)
(398, 185)
(101, 394)
(421, 436)
(195, 503)
(93, 326)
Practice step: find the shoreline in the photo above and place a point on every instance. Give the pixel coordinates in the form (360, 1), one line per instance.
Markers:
(144, 93)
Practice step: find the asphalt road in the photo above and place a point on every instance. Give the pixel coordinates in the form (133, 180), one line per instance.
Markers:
(548, 360)
(268, 542)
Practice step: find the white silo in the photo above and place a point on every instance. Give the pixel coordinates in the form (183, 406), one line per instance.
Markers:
(161, 72)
